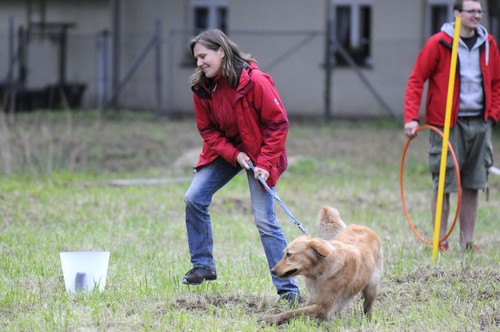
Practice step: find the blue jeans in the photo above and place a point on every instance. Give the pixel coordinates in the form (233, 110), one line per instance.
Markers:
(206, 182)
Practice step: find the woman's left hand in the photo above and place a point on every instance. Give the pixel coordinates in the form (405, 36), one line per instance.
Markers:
(262, 172)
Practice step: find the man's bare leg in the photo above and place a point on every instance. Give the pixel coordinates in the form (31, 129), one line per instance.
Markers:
(444, 214)
(468, 213)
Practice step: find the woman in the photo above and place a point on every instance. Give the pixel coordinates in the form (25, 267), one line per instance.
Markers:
(241, 119)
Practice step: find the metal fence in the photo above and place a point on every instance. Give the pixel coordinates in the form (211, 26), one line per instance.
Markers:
(154, 68)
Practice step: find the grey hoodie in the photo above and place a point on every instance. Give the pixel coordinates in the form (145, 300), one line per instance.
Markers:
(471, 79)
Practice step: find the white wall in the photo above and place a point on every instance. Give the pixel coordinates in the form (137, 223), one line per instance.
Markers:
(286, 36)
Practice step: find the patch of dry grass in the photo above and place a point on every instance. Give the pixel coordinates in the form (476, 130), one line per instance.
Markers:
(55, 195)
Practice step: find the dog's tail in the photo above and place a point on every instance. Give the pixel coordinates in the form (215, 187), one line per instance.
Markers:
(330, 222)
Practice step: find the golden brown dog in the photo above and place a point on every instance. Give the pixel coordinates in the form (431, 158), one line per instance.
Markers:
(346, 260)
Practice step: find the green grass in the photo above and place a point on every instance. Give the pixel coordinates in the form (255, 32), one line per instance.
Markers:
(64, 200)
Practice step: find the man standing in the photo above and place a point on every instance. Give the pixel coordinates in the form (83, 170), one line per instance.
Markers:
(475, 110)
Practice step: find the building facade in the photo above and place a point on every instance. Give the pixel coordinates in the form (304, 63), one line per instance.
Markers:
(134, 54)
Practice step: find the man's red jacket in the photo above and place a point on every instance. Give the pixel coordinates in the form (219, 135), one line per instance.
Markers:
(433, 64)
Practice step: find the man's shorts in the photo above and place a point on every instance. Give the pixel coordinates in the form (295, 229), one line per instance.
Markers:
(471, 142)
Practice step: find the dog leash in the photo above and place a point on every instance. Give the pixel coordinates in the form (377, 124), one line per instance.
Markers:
(280, 202)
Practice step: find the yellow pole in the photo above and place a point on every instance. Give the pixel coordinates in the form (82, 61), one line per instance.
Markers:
(446, 135)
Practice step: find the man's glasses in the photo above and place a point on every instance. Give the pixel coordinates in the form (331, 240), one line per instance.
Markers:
(474, 12)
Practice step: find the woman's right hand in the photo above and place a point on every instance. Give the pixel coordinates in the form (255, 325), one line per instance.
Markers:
(243, 160)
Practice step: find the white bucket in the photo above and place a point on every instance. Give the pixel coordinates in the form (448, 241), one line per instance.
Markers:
(84, 270)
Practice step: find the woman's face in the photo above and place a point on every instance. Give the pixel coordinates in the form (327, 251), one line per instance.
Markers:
(208, 60)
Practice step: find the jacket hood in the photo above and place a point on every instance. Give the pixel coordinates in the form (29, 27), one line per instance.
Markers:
(482, 35)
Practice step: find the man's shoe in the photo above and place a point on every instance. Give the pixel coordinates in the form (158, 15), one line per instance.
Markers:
(196, 275)
(470, 247)
(292, 299)
(444, 246)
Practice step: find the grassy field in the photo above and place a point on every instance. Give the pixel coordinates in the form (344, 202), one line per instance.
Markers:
(88, 181)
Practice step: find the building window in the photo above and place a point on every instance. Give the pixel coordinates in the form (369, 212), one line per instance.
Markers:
(208, 14)
(352, 29)
(438, 12)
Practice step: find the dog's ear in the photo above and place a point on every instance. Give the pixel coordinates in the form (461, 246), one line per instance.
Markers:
(320, 247)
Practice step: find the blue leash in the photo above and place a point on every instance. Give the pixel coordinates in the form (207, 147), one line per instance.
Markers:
(280, 202)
